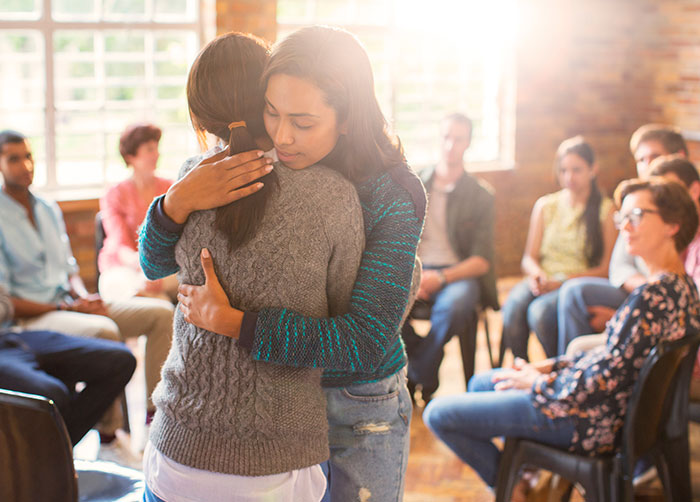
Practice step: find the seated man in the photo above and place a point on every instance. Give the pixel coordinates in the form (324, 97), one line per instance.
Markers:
(587, 303)
(49, 364)
(457, 255)
(39, 271)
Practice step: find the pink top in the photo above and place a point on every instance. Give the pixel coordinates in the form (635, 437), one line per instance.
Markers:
(123, 211)
(692, 268)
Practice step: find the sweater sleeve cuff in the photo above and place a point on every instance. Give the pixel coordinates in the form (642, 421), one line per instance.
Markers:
(247, 335)
(164, 220)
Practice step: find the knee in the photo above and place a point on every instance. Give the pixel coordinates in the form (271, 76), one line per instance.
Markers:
(432, 416)
(538, 314)
(123, 363)
(481, 382)
(106, 329)
(58, 393)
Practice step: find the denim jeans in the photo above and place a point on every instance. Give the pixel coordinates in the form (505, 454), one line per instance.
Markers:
(468, 422)
(453, 312)
(369, 439)
(50, 364)
(575, 296)
(524, 312)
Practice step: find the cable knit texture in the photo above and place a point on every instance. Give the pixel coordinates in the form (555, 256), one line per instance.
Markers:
(218, 409)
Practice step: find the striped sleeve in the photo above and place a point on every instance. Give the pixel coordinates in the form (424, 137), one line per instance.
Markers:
(364, 338)
(157, 239)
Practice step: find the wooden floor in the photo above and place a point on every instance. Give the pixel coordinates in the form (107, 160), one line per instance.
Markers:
(435, 474)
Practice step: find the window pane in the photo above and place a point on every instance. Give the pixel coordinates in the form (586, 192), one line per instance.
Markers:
(78, 157)
(175, 10)
(22, 100)
(20, 9)
(114, 10)
(74, 10)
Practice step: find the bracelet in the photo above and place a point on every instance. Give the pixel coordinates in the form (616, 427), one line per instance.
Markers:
(59, 306)
(443, 279)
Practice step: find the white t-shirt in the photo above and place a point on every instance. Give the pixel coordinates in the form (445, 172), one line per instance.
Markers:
(174, 482)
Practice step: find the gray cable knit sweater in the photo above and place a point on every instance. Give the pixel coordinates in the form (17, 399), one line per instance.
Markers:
(218, 409)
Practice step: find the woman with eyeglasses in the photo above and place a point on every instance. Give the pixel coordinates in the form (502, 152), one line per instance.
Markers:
(578, 402)
(571, 234)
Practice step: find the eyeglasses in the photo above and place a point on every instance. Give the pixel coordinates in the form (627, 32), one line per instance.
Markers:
(634, 217)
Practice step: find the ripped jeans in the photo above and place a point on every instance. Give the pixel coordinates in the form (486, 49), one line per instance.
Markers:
(369, 439)
(468, 422)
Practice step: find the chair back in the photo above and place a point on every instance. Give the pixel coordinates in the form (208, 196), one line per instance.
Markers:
(100, 236)
(658, 406)
(36, 458)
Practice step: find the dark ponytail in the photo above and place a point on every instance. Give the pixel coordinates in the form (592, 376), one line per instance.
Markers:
(591, 213)
(594, 231)
(224, 87)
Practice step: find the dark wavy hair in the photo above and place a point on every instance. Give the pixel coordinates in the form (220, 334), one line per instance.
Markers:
(224, 87)
(591, 214)
(335, 61)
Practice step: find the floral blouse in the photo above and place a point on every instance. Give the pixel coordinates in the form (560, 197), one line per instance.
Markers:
(593, 387)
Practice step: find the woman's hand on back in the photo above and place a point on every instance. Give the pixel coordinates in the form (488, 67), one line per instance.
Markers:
(215, 182)
(207, 306)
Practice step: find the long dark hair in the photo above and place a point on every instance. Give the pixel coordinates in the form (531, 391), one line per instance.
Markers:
(335, 61)
(591, 214)
(224, 87)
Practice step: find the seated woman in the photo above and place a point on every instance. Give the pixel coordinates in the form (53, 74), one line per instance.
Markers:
(563, 401)
(571, 234)
(123, 209)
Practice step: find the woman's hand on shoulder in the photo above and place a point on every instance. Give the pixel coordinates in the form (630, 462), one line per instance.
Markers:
(216, 181)
(207, 306)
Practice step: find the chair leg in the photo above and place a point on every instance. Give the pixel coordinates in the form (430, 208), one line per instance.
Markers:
(125, 412)
(483, 315)
(501, 351)
(508, 471)
(467, 345)
(675, 469)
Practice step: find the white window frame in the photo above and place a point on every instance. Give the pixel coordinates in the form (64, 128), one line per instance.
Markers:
(203, 25)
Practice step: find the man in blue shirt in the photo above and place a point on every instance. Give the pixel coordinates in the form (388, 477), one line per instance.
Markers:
(39, 271)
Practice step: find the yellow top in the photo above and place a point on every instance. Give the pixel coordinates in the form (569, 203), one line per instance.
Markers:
(563, 248)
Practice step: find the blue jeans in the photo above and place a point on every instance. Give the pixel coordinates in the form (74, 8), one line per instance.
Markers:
(453, 311)
(524, 312)
(575, 296)
(50, 364)
(468, 422)
(369, 439)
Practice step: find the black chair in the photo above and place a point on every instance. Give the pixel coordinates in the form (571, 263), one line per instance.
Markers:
(656, 424)
(37, 459)
(99, 243)
(467, 344)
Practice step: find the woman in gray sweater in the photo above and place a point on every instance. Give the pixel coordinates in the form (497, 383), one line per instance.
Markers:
(227, 425)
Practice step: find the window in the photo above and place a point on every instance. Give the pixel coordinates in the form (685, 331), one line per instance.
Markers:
(431, 59)
(74, 76)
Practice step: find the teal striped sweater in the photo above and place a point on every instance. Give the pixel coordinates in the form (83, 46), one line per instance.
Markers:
(363, 345)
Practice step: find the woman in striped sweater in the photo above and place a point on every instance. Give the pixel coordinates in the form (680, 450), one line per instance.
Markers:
(361, 351)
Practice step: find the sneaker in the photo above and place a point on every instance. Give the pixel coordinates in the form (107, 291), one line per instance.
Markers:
(645, 477)
(119, 451)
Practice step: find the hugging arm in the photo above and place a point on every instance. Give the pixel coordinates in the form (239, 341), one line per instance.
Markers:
(359, 340)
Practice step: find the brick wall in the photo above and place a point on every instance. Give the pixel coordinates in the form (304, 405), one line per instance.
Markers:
(80, 225)
(258, 17)
(599, 68)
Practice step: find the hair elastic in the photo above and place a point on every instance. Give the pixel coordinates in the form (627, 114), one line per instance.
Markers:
(233, 125)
